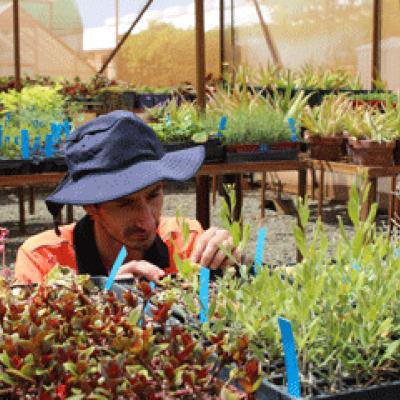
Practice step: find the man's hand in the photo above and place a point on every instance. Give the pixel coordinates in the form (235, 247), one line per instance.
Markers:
(141, 269)
(212, 247)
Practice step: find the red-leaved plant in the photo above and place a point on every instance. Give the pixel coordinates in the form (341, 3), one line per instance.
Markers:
(67, 339)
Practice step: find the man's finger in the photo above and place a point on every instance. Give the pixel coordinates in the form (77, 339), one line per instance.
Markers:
(222, 256)
(201, 244)
(142, 269)
(213, 247)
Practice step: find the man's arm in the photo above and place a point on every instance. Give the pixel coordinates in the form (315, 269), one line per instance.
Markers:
(27, 266)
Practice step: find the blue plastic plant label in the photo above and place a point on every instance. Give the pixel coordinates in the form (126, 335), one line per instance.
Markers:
(147, 310)
(1, 136)
(356, 267)
(289, 348)
(263, 148)
(168, 120)
(222, 123)
(293, 130)
(48, 146)
(115, 268)
(8, 139)
(203, 297)
(8, 119)
(16, 140)
(397, 253)
(25, 144)
(56, 132)
(259, 256)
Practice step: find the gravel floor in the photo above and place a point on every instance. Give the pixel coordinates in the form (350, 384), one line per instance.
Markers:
(280, 247)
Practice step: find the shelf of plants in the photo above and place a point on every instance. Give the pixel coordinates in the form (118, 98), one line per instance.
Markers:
(258, 125)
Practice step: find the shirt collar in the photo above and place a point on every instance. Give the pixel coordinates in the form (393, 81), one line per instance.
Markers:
(88, 258)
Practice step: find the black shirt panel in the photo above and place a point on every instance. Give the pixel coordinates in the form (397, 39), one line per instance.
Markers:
(88, 258)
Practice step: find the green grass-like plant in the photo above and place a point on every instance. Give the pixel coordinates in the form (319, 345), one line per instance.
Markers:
(327, 119)
(251, 117)
(343, 307)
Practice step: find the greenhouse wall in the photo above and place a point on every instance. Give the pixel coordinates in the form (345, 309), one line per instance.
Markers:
(66, 38)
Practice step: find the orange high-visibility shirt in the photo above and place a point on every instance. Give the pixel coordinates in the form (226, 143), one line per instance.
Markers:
(40, 253)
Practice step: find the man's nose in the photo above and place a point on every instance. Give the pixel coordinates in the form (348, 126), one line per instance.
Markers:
(143, 216)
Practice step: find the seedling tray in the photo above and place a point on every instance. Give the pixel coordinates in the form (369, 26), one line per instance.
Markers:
(389, 391)
(15, 167)
(148, 100)
(122, 285)
(215, 151)
(270, 155)
(53, 164)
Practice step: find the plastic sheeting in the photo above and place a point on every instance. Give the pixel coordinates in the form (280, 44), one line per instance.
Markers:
(73, 37)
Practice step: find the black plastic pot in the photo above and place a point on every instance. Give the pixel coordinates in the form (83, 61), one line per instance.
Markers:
(15, 167)
(148, 100)
(118, 287)
(215, 151)
(144, 100)
(161, 98)
(315, 99)
(389, 391)
(129, 99)
(53, 164)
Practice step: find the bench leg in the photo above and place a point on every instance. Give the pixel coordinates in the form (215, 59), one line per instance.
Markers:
(31, 200)
(321, 192)
(70, 214)
(21, 202)
(302, 192)
(263, 184)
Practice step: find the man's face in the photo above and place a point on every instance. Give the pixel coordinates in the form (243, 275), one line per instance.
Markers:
(132, 220)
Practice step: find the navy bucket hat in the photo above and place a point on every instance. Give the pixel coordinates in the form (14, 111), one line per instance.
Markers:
(115, 155)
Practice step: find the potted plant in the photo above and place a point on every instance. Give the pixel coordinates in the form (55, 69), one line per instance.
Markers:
(181, 127)
(66, 339)
(117, 97)
(371, 137)
(36, 109)
(392, 113)
(147, 96)
(324, 128)
(374, 99)
(255, 129)
(315, 82)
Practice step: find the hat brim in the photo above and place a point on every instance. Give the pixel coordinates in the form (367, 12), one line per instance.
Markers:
(100, 187)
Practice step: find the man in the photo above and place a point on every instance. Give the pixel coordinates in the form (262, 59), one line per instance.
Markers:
(116, 168)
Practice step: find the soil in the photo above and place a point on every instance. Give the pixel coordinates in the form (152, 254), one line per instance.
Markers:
(279, 247)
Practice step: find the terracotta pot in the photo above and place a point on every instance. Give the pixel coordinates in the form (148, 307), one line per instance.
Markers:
(255, 148)
(372, 153)
(242, 148)
(284, 145)
(324, 148)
